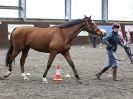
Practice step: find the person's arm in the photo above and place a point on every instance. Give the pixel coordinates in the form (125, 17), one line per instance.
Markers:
(121, 43)
(106, 38)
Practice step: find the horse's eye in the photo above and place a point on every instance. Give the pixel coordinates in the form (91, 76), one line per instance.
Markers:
(91, 23)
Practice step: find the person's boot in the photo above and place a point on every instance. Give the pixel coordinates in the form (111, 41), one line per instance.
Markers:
(101, 72)
(115, 73)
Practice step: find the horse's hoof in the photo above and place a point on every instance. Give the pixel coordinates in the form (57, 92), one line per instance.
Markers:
(26, 79)
(45, 80)
(79, 81)
(2, 78)
(114, 79)
(5, 76)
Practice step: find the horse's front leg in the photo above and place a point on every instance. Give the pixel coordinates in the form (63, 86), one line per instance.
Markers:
(67, 55)
(50, 60)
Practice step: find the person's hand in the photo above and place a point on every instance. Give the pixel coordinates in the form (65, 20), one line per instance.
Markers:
(126, 46)
(110, 47)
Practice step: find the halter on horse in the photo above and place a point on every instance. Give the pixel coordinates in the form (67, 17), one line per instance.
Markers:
(53, 40)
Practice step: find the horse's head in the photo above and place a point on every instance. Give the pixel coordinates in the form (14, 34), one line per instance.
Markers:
(91, 27)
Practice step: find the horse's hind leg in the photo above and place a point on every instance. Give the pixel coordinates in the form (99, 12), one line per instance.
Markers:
(66, 54)
(22, 61)
(14, 54)
(50, 60)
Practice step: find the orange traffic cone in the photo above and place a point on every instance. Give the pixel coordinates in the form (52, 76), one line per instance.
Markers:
(57, 76)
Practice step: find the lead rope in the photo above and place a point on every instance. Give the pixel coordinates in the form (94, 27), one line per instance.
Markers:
(121, 59)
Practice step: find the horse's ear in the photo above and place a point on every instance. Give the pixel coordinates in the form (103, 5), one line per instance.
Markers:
(90, 17)
(85, 16)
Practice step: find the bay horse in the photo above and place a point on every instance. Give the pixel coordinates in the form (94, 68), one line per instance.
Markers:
(53, 40)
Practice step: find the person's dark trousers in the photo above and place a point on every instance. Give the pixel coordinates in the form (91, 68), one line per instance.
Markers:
(94, 42)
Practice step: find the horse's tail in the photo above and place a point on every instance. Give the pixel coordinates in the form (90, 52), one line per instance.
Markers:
(9, 52)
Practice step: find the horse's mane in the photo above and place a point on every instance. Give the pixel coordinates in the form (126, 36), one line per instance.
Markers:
(71, 23)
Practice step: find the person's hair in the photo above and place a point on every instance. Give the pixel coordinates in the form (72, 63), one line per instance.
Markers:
(115, 25)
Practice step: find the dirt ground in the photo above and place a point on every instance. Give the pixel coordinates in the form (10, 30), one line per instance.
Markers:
(88, 62)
